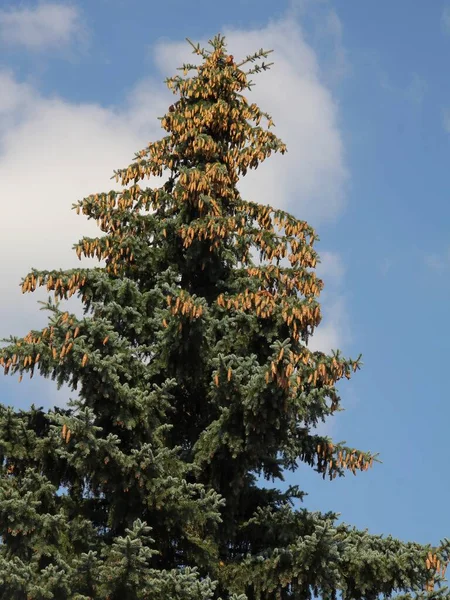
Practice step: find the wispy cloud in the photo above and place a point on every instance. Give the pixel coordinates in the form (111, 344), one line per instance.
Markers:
(325, 29)
(45, 26)
(414, 93)
(333, 31)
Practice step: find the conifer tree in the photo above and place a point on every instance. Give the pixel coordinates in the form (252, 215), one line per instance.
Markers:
(193, 378)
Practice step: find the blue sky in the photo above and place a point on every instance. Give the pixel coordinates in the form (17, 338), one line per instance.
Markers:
(360, 92)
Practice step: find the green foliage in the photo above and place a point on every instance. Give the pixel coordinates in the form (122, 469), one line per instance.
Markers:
(194, 377)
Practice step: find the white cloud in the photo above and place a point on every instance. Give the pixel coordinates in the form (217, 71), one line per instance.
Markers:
(45, 26)
(14, 96)
(334, 330)
(53, 152)
(331, 268)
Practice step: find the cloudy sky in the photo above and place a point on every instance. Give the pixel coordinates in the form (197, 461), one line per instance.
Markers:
(360, 93)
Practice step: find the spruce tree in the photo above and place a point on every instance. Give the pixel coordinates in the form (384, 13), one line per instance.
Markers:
(194, 379)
